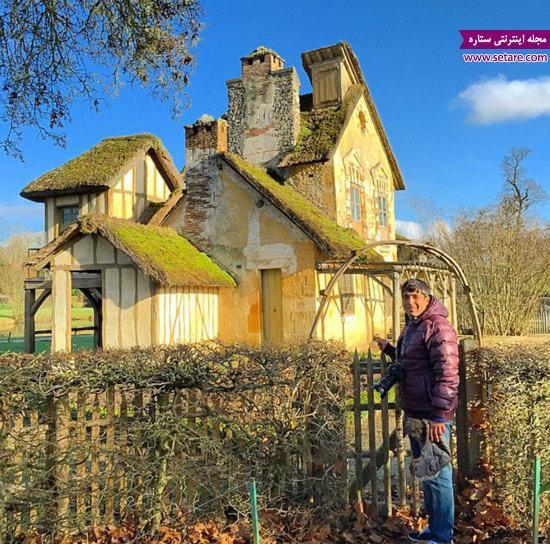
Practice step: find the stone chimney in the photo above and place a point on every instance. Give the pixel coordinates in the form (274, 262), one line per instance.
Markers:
(264, 108)
(204, 138)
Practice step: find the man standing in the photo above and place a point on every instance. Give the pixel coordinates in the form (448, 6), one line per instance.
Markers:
(428, 350)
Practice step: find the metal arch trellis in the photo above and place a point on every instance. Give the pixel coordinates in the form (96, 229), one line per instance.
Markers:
(431, 250)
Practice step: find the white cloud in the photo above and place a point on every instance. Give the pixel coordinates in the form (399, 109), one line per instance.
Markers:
(497, 100)
(410, 229)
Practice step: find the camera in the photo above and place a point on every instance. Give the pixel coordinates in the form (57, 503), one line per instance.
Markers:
(394, 374)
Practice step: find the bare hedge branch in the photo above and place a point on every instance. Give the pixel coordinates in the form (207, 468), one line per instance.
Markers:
(97, 437)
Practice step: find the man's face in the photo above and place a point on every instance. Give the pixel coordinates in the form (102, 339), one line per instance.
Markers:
(414, 303)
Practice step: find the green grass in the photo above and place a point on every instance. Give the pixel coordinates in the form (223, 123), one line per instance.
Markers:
(5, 310)
(15, 345)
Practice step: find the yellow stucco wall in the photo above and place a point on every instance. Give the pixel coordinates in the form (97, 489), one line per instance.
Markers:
(360, 157)
(248, 234)
(354, 324)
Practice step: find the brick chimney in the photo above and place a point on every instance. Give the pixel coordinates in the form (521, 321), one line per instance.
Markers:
(204, 138)
(264, 108)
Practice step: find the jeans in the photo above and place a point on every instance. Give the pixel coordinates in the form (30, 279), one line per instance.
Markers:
(438, 496)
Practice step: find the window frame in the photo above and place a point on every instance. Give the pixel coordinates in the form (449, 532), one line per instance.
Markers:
(382, 209)
(60, 211)
(356, 208)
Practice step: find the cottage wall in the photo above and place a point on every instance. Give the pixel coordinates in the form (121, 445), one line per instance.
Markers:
(229, 220)
(95, 202)
(140, 184)
(136, 312)
(252, 237)
(186, 314)
(356, 328)
(316, 183)
(360, 159)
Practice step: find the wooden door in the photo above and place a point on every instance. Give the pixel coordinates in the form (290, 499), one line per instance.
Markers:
(272, 306)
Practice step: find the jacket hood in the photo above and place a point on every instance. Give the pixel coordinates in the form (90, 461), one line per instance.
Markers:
(435, 307)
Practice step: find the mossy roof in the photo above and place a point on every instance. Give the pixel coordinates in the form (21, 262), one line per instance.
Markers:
(319, 131)
(326, 233)
(101, 166)
(159, 252)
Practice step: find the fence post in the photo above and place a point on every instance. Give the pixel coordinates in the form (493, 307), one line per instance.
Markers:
(254, 512)
(357, 428)
(471, 390)
(536, 499)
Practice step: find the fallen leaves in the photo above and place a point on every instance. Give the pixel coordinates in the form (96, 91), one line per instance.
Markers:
(480, 519)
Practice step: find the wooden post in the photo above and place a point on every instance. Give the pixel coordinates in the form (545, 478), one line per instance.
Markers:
(95, 448)
(386, 444)
(395, 307)
(30, 337)
(62, 469)
(110, 459)
(536, 500)
(454, 313)
(468, 439)
(372, 433)
(357, 428)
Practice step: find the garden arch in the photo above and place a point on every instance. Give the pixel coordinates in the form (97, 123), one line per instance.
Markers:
(431, 250)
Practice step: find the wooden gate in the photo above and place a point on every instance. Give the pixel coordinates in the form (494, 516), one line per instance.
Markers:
(381, 452)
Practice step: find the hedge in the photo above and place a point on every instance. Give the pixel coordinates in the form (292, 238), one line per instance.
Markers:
(519, 424)
(155, 434)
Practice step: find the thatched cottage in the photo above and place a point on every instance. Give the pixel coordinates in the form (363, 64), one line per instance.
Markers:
(275, 194)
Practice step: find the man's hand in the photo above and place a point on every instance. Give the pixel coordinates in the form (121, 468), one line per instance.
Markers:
(382, 342)
(436, 431)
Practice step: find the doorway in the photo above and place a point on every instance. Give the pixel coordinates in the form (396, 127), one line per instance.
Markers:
(272, 306)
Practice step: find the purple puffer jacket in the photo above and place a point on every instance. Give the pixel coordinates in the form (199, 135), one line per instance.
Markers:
(428, 348)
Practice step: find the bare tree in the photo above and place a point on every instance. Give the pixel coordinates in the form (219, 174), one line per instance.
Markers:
(54, 52)
(520, 192)
(504, 251)
(13, 255)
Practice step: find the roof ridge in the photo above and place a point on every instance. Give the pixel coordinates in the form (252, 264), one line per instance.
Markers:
(100, 166)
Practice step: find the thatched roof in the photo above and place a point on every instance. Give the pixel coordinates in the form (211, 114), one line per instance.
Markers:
(319, 131)
(321, 127)
(159, 252)
(101, 166)
(327, 234)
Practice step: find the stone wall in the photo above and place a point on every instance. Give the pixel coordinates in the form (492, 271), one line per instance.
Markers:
(315, 182)
(235, 115)
(263, 115)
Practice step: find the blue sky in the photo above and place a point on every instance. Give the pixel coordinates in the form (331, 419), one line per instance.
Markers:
(409, 52)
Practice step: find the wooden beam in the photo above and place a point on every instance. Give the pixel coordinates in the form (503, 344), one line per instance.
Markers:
(30, 335)
(86, 283)
(39, 301)
(38, 283)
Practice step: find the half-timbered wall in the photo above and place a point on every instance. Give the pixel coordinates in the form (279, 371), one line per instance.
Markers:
(141, 184)
(355, 312)
(86, 202)
(135, 311)
(186, 314)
